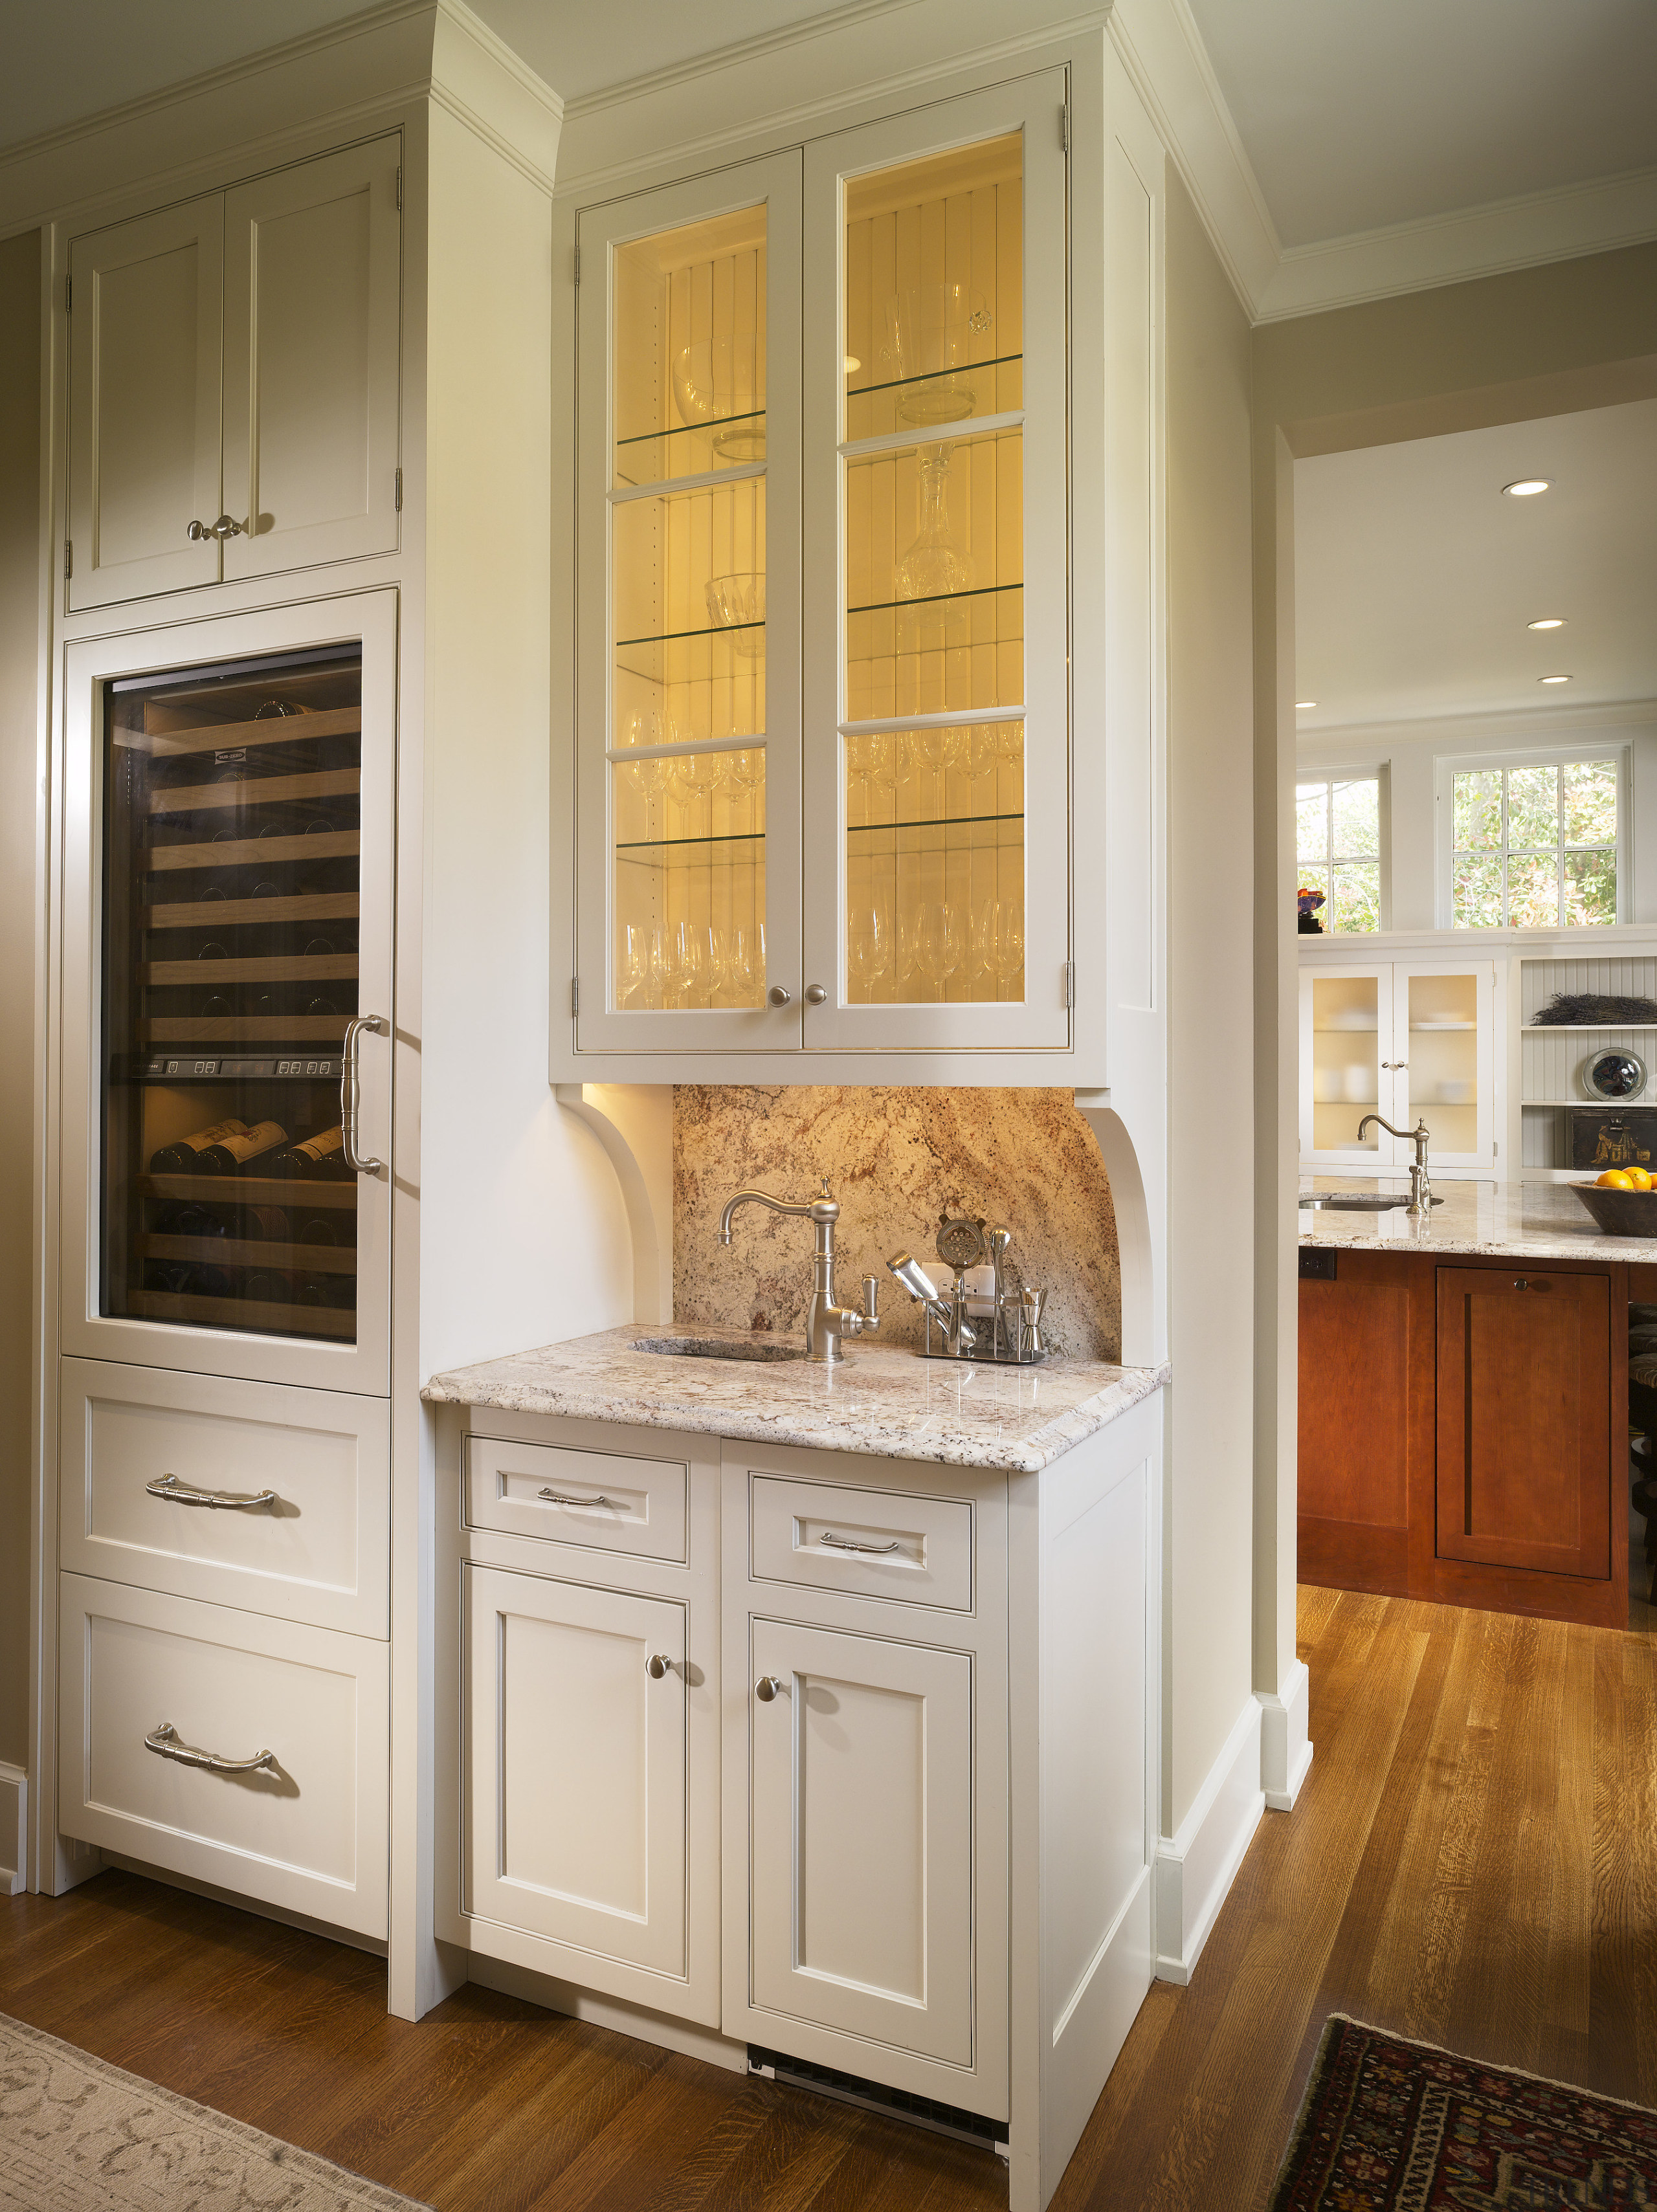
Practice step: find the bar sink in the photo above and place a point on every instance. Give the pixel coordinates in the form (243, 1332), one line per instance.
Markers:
(1355, 1202)
(719, 1347)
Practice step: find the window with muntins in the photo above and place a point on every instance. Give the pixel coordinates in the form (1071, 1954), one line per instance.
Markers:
(1535, 845)
(1337, 840)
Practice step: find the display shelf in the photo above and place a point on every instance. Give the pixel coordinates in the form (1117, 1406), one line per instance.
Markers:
(230, 913)
(273, 968)
(249, 851)
(268, 730)
(250, 1314)
(293, 1192)
(933, 821)
(677, 844)
(253, 791)
(1441, 1029)
(991, 386)
(1584, 1028)
(242, 1029)
(1343, 1029)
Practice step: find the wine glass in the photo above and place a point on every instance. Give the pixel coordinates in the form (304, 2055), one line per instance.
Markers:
(937, 747)
(868, 946)
(663, 964)
(634, 965)
(721, 957)
(998, 939)
(748, 968)
(691, 960)
(870, 764)
(937, 942)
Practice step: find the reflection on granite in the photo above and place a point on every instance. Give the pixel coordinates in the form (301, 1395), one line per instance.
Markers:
(895, 1159)
(890, 1404)
(1527, 1220)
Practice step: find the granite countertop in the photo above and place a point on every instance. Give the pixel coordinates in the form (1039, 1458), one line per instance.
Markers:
(1525, 1221)
(889, 1403)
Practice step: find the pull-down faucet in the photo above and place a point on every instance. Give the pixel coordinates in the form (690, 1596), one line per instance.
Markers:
(1421, 1189)
(826, 1323)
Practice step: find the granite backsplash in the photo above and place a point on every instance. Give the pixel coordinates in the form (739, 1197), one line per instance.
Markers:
(895, 1159)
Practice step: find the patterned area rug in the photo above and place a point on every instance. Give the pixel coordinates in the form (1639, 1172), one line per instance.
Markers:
(77, 2135)
(1391, 2126)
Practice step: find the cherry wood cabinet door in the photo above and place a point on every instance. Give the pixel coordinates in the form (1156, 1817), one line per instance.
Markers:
(1523, 1420)
(1365, 1351)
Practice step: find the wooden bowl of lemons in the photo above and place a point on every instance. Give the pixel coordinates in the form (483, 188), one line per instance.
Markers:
(1624, 1202)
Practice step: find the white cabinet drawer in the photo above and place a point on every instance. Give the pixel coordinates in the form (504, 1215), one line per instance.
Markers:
(308, 1830)
(867, 1543)
(138, 1444)
(602, 1501)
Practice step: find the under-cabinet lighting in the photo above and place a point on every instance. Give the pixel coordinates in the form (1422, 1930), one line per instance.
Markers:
(1547, 622)
(1553, 679)
(1524, 488)
(852, 364)
(1300, 703)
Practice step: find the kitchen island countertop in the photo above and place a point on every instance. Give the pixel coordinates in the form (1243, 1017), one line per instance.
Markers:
(889, 1403)
(1499, 1220)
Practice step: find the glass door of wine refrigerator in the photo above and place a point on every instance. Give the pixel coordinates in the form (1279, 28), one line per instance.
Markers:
(240, 810)
(688, 862)
(936, 578)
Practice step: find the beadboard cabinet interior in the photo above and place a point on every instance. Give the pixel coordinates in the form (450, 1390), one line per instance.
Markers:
(234, 381)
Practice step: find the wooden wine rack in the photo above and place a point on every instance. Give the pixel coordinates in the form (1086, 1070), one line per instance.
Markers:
(242, 1029)
(289, 1191)
(235, 737)
(269, 968)
(254, 791)
(245, 852)
(251, 1314)
(229, 914)
(249, 1252)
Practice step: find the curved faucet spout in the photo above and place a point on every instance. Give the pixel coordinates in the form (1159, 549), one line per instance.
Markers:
(826, 1322)
(815, 1209)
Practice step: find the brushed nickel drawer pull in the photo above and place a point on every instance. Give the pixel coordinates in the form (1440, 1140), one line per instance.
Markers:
(657, 1665)
(164, 1740)
(226, 526)
(562, 1498)
(180, 1493)
(845, 1544)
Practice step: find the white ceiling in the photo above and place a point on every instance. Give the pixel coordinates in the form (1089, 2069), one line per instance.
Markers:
(1414, 577)
(1355, 115)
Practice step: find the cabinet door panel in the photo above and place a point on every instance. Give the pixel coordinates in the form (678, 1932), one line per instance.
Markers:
(1523, 1420)
(575, 1776)
(861, 1869)
(144, 403)
(312, 284)
(1347, 1068)
(1444, 1044)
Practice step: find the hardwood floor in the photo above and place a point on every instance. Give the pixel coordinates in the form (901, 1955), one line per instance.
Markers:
(1473, 1860)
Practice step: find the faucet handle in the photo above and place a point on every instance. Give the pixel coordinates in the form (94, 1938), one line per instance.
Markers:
(871, 1300)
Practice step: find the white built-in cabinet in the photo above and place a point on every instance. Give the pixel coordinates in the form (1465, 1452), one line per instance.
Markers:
(1406, 1040)
(847, 1760)
(234, 381)
(840, 748)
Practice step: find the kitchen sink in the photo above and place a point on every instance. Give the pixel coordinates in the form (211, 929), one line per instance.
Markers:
(719, 1347)
(1355, 1201)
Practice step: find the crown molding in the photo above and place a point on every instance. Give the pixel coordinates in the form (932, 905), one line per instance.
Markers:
(246, 110)
(1542, 725)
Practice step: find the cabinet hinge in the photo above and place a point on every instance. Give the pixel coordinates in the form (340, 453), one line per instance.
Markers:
(400, 491)
(69, 296)
(1496, 1146)
(69, 556)
(399, 188)
(575, 265)
(574, 994)
(1064, 126)
(1069, 982)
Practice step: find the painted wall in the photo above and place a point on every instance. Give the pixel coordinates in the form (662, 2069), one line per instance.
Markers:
(1408, 753)
(20, 557)
(895, 1159)
(1507, 349)
(1208, 1506)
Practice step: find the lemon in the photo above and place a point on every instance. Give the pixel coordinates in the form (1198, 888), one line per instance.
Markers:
(1617, 1179)
(1638, 1179)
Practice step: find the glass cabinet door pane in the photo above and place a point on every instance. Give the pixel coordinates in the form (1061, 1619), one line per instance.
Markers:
(1443, 1060)
(1346, 1054)
(231, 905)
(688, 570)
(933, 682)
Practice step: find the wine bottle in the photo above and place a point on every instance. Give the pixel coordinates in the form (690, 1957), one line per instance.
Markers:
(268, 1286)
(322, 1155)
(187, 1156)
(190, 1219)
(264, 1225)
(318, 1229)
(234, 1153)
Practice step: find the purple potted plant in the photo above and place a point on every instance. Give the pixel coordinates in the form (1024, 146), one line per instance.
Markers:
(1308, 902)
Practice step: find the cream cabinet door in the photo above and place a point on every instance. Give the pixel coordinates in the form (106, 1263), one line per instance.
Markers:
(575, 1768)
(145, 309)
(311, 319)
(861, 1837)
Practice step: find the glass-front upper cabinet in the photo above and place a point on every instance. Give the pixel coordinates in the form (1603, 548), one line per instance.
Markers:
(232, 926)
(688, 874)
(822, 595)
(936, 580)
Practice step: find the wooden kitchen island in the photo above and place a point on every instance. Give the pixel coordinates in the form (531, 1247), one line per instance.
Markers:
(1464, 1400)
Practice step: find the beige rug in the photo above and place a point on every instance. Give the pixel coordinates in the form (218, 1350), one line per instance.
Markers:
(77, 2135)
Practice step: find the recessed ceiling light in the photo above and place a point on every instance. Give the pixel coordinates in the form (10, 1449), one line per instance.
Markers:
(1548, 621)
(1553, 679)
(1525, 487)
(1299, 703)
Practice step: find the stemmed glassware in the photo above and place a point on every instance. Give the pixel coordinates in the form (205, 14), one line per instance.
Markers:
(998, 940)
(935, 942)
(868, 946)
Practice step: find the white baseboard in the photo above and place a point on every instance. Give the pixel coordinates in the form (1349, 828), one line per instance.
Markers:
(657, 2027)
(1285, 1745)
(1196, 1866)
(13, 1829)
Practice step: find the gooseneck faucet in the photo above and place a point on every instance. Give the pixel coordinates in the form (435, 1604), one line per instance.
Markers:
(1421, 1189)
(826, 1324)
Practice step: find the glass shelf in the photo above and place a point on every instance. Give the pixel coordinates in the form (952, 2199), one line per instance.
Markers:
(936, 821)
(682, 844)
(693, 449)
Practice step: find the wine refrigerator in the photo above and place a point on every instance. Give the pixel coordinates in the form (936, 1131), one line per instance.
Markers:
(239, 881)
